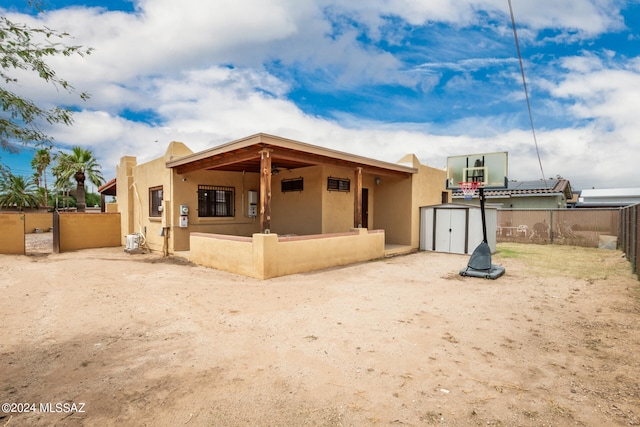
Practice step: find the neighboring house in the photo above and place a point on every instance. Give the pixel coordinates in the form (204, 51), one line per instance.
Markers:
(608, 198)
(543, 194)
(571, 203)
(106, 189)
(271, 186)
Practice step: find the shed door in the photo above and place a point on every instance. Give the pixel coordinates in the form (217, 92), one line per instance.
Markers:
(450, 230)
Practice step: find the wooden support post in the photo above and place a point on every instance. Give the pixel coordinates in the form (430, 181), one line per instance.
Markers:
(265, 191)
(357, 199)
(56, 232)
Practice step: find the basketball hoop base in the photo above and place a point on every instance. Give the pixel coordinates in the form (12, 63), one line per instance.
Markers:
(480, 264)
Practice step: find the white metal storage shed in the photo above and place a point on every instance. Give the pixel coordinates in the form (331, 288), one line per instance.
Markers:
(456, 228)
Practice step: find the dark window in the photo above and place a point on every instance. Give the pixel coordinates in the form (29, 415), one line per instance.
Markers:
(215, 201)
(338, 184)
(295, 184)
(155, 201)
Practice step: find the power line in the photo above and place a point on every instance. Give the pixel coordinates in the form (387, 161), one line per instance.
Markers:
(526, 92)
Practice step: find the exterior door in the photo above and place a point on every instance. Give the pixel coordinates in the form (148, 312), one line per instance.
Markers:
(365, 208)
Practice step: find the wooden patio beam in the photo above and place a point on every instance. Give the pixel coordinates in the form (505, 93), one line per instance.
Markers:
(277, 153)
(316, 159)
(219, 160)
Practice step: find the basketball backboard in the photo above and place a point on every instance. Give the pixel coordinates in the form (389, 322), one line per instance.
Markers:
(489, 169)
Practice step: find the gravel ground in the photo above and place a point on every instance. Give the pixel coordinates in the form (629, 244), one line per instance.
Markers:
(146, 340)
(39, 243)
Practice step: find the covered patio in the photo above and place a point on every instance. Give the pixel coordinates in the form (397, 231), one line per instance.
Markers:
(268, 155)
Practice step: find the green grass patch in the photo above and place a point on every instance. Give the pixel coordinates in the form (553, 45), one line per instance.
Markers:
(566, 261)
(502, 252)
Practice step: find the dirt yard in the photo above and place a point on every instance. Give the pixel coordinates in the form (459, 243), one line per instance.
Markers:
(103, 338)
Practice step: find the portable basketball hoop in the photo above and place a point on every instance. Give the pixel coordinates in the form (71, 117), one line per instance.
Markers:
(469, 188)
(478, 172)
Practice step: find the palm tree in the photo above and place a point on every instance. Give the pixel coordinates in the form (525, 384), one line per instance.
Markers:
(61, 184)
(18, 191)
(81, 165)
(40, 163)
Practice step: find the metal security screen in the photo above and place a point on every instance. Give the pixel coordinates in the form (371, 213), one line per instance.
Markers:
(338, 184)
(214, 201)
(295, 184)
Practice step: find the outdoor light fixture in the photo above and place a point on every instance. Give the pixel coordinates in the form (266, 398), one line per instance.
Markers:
(377, 180)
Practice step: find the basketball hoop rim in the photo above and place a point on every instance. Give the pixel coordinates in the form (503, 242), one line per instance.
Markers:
(469, 188)
(469, 184)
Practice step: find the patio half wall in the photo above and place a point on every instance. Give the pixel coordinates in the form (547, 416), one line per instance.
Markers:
(264, 256)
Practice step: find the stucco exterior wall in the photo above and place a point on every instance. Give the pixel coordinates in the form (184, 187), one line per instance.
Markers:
(125, 195)
(398, 201)
(43, 221)
(146, 176)
(392, 205)
(264, 256)
(165, 232)
(311, 211)
(297, 212)
(427, 187)
(316, 210)
(337, 212)
(12, 233)
(227, 253)
(185, 192)
(308, 253)
(86, 230)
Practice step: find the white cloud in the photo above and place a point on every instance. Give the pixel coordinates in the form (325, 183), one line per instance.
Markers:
(166, 37)
(609, 93)
(587, 17)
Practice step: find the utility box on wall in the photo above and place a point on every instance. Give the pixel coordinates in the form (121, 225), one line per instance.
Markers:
(184, 216)
(455, 228)
(252, 196)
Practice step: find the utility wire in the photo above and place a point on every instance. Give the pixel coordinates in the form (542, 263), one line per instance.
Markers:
(526, 92)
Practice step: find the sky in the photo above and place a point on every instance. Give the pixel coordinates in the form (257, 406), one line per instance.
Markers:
(376, 78)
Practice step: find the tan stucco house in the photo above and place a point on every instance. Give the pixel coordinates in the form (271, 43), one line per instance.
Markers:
(265, 206)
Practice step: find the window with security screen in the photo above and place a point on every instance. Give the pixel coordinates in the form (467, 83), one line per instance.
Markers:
(295, 184)
(215, 201)
(338, 184)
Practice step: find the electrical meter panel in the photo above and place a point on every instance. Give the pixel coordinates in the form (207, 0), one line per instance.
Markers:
(253, 203)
